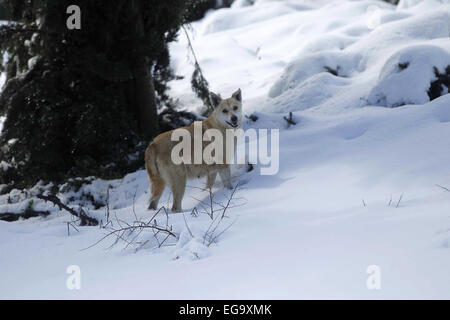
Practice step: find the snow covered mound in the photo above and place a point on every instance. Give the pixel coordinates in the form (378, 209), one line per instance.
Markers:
(325, 55)
(406, 76)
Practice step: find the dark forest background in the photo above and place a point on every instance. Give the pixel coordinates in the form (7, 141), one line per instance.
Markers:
(87, 102)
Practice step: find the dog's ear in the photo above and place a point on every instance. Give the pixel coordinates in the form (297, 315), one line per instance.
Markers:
(237, 95)
(215, 99)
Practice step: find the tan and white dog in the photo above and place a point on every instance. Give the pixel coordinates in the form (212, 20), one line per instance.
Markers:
(161, 168)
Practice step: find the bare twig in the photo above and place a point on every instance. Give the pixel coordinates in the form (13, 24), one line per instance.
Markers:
(134, 198)
(130, 233)
(211, 195)
(210, 235)
(107, 205)
(194, 212)
(136, 228)
(289, 120)
(70, 224)
(229, 200)
(222, 232)
(187, 226)
(399, 200)
(442, 187)
(132, 228)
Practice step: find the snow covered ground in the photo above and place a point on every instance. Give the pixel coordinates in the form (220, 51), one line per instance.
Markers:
(360, 180)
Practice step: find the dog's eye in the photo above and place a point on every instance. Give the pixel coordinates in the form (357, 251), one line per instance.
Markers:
(235, 108)
(225, 111)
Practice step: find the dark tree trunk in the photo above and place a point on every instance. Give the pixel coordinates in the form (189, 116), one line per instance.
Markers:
(144, 89)
(145, 102)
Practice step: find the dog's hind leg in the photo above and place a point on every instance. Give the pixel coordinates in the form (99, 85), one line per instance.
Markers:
(157, 188)
(177, 184)
(157, 184)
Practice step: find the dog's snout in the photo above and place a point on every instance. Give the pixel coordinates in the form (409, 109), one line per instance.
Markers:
(234, 119)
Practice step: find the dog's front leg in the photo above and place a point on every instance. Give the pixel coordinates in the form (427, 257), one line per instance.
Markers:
(210, 179)
(225, 176)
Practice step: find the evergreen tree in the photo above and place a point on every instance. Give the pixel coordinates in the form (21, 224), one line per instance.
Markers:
(79, 102)
(199, 8)
(4, 11)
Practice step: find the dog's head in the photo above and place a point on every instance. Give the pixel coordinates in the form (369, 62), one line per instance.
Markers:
(228, 112)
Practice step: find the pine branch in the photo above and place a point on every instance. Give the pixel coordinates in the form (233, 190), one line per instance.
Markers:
(84, 218)
(198, 82)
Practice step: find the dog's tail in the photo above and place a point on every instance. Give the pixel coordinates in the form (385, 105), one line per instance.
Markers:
(150, 162)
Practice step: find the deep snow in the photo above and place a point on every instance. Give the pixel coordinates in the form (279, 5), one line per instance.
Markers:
(358, 179)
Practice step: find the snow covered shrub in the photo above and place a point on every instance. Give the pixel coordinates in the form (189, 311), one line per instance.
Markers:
(334, 62)
(199, 8)
(414, 75)
(405, 4)
(392, 1)
(441, 85)
(242, 3)
(227, 19)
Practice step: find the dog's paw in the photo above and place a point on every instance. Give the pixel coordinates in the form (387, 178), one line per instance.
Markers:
(228, 186)
(176, 210)
(152, 205)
